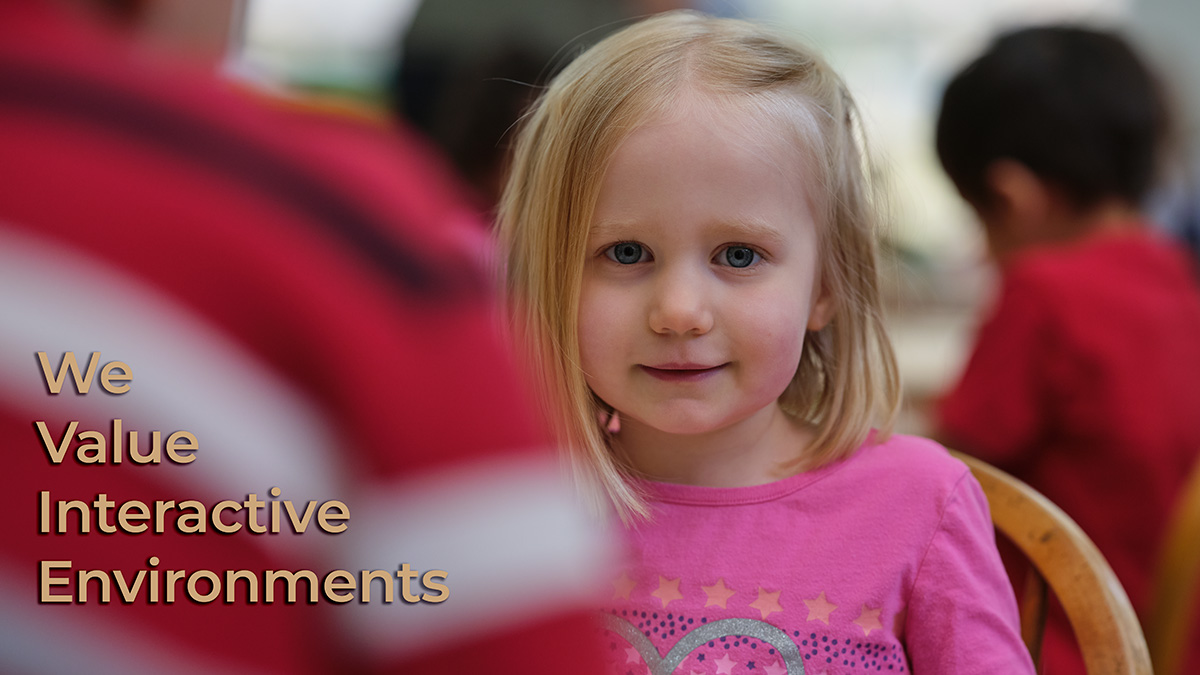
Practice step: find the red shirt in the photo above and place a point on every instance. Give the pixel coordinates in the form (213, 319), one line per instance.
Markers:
(315, 310)
(1085, 383)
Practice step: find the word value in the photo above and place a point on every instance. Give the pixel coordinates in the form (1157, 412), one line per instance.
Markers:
(92, 446)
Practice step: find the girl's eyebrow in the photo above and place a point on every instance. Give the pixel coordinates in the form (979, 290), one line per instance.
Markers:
(612, 229)
(749, 229)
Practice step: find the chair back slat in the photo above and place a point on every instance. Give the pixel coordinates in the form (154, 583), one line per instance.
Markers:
(1033, 614)
(1104, 622)
(1173, 606)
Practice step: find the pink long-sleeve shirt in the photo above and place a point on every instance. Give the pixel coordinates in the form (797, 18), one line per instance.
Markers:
(882, 562)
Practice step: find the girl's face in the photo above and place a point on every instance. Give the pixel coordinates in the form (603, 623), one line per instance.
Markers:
(701, 274)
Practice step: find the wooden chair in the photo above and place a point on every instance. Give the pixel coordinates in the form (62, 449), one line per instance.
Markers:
(1063, 558)
(1173, 604)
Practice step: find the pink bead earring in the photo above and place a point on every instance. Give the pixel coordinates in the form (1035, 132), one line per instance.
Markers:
(614, 423)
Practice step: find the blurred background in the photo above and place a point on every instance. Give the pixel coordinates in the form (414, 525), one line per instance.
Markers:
(462, 70)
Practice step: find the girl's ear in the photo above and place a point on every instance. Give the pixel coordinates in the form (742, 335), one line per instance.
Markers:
(822, 309)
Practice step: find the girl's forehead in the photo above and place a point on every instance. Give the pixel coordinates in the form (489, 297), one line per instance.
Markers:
(769, 123)
(704, 161)
(755, 125)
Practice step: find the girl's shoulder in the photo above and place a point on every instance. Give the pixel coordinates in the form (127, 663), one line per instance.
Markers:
(906, 449)
(904, 485)
(907, 463)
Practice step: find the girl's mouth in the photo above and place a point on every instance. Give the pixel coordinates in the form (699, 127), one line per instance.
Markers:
(682, 372)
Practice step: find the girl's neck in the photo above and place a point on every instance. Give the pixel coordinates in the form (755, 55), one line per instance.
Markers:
(765, 447)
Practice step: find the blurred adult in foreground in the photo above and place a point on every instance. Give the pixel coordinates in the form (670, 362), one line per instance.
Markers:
(319, 324)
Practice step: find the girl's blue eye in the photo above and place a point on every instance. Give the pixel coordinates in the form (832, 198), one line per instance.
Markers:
(626, 252)
(740, 256)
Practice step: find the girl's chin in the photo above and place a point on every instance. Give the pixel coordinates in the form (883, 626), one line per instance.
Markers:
(695, 420)
(684, 425)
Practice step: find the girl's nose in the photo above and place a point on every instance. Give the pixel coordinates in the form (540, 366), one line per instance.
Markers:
(680, 305)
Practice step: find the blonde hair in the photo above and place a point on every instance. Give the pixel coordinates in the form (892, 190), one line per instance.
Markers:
(847, 377)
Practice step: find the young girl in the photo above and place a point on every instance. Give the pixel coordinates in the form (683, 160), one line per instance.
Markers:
(692, 264)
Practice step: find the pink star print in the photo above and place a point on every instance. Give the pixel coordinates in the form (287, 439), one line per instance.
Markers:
(725, 665)
(819, 608)
(718, 594)
(668, 590)
(869, 620)
(776, 668)
(632, 655)
(623, 586)
(767, 602)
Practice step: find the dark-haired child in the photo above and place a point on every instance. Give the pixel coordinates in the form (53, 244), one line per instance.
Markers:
(1085, 380)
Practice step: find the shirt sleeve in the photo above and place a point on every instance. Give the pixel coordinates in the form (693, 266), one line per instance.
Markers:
(962, 614)
(996, 410)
